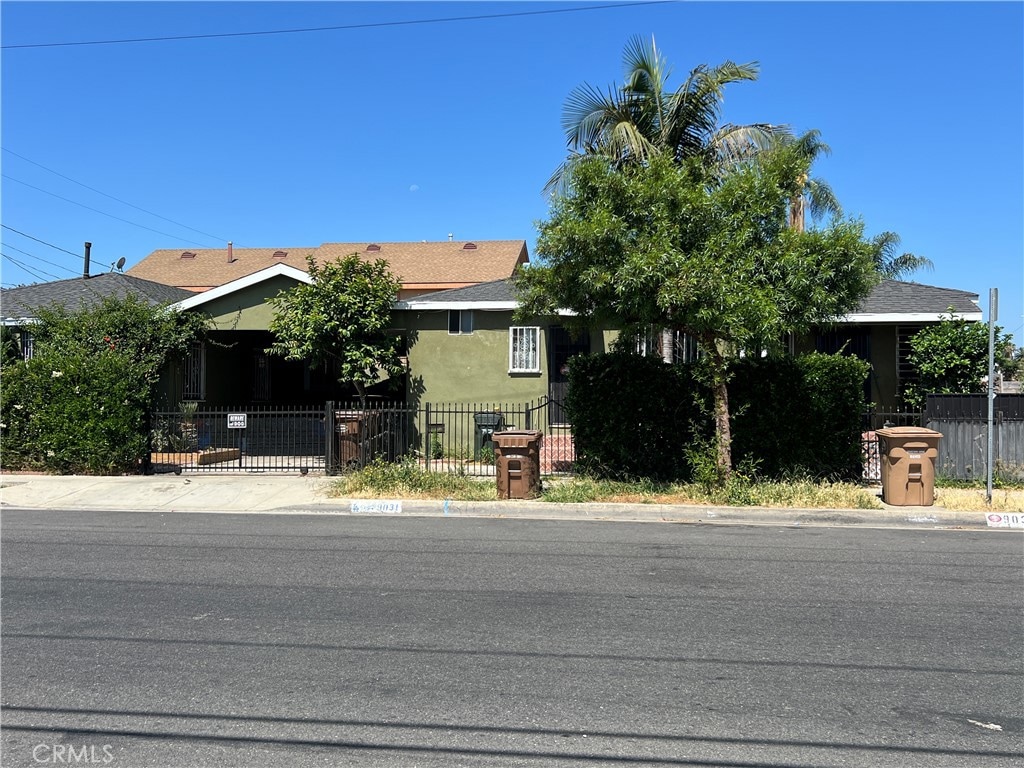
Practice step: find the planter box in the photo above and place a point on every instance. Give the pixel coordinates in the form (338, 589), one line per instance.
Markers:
(191, 459)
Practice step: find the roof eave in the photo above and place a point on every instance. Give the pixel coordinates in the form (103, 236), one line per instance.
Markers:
(907, 317)
(255, 278)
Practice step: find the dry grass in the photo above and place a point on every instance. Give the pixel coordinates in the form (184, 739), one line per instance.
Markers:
(973, 499)
(795, 493)
(408, 481)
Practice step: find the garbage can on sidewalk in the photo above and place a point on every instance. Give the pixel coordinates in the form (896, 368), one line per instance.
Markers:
(518, 463)
(908, 465)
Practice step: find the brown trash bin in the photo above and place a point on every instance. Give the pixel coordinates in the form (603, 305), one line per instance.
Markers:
(908, 465)
(517, 455)
(356, 433)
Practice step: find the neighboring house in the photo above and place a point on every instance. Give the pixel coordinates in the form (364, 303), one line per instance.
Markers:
(879, 332)
(422, 267)
(18, 306)
(231, 287)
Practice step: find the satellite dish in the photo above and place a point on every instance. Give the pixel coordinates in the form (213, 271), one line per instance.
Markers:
(120, 264)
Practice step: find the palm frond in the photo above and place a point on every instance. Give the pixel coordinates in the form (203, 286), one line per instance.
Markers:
(891, 266)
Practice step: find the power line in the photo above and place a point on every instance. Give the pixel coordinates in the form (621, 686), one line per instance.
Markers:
(29, 269)
(123, 202)
(56, 247)
(40, 258)
(412, 22)
(102, 213)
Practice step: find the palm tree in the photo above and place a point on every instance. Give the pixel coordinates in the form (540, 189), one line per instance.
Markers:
(818, 199)
(642, 117)
(815, 195)
(890, 266)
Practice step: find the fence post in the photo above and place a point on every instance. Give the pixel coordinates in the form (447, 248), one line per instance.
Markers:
(329, 468)
(428, 438)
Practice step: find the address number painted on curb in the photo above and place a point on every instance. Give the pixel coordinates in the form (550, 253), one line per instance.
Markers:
(376, 507)
(1003, 520)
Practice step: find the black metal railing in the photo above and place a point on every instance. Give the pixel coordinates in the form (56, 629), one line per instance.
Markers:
(249, 439)
(341, 436)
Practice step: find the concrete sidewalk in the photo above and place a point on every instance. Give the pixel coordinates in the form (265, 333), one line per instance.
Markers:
(295, 494)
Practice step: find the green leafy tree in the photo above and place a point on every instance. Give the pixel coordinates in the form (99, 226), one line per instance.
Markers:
(952, 358)
(82, 402)
(644, 117)
(678, 246)
(340, 319)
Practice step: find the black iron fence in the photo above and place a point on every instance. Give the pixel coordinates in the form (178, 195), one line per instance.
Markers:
(249, 439)
(963, 422)
(873, 421)
(336, 437)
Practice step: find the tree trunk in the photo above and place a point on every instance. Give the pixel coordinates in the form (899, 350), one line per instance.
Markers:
(361, 391)
(723, 431)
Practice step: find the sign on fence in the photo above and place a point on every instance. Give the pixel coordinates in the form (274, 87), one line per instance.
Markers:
(236, 420)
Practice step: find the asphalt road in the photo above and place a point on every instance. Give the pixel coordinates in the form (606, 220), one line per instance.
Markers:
(137, 640)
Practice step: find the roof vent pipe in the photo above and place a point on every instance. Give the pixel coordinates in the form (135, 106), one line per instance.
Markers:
(85, 267)
(450, 236)
(231, 253)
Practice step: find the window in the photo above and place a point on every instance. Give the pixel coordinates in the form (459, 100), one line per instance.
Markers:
(27, 345)
(261, 377)
(905, 371)
(195, 373)
(524, 350)
(460, 321)
(685, 348)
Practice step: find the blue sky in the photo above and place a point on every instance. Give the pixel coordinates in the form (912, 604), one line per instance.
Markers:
(391, 131)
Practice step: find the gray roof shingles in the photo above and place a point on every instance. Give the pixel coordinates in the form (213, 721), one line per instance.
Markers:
(888, 297)
(895, 296)
(21, 303)
(495, 290)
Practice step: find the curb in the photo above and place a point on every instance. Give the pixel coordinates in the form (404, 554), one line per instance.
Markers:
(296, 495)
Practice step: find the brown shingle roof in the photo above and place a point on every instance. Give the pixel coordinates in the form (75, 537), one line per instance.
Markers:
(441, 264)
(209, 267)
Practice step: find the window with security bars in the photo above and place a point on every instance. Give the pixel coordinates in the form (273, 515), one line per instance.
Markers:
(27, 345)
(261, 377)
(685, 348)
(905, 370)
(194, 385)
(524, 349)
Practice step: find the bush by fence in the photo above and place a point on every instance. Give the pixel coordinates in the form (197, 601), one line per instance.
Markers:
(800, 415)
(73, 413)
(631, 415)
(80, 403)
(634, 416)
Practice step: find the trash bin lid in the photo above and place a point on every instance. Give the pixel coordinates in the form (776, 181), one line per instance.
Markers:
(517, 438)
(907, 432)
(488, 418)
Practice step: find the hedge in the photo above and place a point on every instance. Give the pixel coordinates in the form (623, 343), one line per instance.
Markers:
(636, 416)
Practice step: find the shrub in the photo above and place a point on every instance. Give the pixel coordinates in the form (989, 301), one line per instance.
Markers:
(799, 416)
(82, 403)
(632, 415)
(73, 413)
(638, 417)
